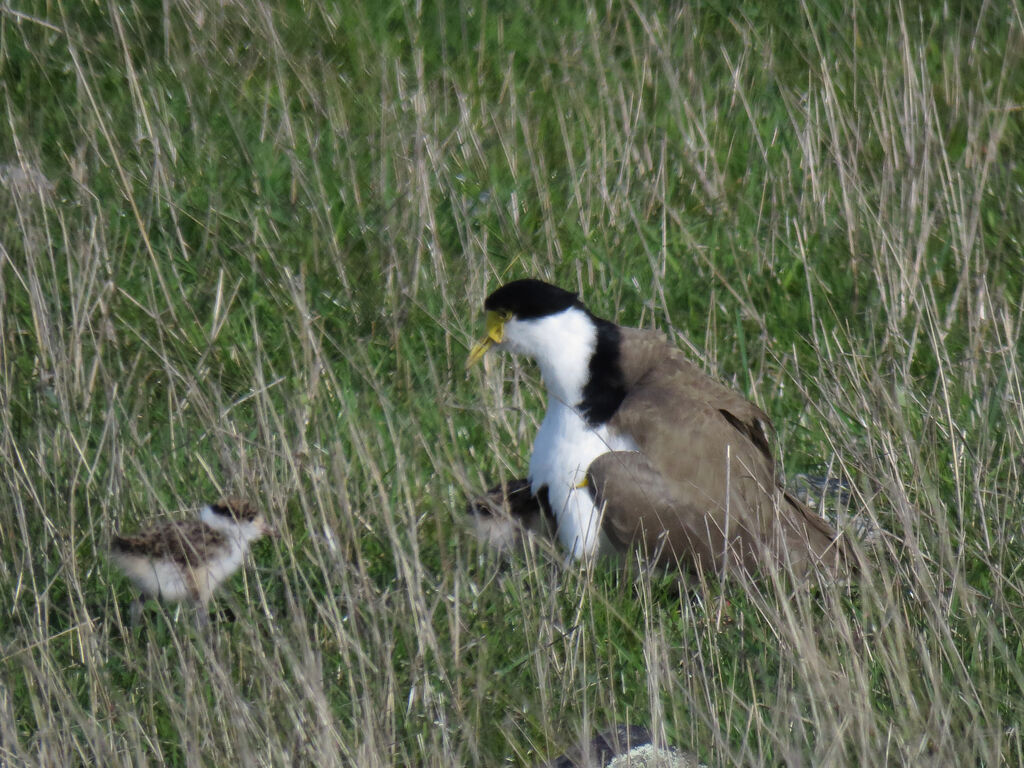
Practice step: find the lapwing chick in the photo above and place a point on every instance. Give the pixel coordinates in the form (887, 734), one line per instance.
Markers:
(640, 448)
(188, 559)
(508, 515)
(624, 747)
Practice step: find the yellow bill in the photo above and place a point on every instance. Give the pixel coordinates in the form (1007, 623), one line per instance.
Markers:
(495, 333)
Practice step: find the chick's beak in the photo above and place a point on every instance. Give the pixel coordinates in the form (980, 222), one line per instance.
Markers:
(495, 333)
(269, 530)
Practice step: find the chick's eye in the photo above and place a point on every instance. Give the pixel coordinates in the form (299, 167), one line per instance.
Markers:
(506, 315)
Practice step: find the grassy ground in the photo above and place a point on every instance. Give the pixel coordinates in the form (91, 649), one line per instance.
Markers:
(243, 249)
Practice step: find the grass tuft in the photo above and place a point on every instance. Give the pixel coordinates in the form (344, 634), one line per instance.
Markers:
(243, 249)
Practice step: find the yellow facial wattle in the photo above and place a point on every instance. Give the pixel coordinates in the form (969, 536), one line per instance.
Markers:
(495, 333)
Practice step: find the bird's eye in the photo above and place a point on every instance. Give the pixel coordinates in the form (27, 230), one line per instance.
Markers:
(506, 314)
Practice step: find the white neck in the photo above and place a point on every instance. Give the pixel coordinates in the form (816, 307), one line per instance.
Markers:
(238, 533)
(562, 345)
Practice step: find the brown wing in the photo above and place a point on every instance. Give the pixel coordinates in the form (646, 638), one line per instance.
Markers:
(190, 543)
(704, 475)
(642, 510)
(650, 362)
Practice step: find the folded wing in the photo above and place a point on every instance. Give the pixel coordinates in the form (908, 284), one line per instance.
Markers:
(701, 490)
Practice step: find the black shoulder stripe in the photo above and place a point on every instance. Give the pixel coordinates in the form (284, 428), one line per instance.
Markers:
(606, 388)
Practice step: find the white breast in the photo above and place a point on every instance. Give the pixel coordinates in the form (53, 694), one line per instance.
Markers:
(155, 578)
(564, 448)
(171, 581)
(223, 566)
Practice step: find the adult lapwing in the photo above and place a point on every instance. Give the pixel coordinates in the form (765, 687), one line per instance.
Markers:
(640, 448)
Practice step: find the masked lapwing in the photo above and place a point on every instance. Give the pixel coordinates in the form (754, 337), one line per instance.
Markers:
(622, 747)
(508, 515)
(640, 448)
(180, 560)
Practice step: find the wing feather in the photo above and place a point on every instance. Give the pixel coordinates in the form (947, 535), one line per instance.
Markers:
(704, 474)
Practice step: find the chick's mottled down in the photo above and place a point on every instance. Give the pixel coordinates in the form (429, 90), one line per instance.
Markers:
(187, 560)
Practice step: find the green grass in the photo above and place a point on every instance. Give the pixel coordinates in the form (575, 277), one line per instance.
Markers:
(244, 248)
